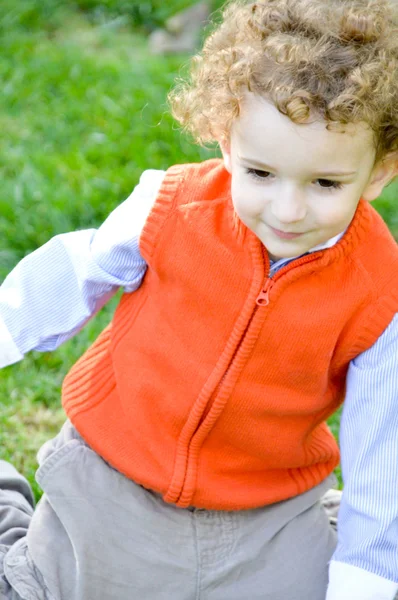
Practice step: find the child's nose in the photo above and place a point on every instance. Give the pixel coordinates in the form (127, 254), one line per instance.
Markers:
(289, 206)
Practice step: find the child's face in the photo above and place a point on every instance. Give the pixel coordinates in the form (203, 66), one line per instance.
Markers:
(282, 186)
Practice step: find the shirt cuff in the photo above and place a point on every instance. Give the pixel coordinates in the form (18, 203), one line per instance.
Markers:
(347, 582)
(9, 352)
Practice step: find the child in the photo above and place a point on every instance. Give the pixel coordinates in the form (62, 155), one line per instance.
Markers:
(260, 290)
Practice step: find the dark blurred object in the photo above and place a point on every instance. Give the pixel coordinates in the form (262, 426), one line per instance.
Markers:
(182, 32)
(148, 15)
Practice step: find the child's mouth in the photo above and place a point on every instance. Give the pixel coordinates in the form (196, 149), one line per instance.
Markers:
(285, 235)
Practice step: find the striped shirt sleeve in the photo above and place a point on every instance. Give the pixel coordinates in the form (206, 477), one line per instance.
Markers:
(365, 563)
(54, 291)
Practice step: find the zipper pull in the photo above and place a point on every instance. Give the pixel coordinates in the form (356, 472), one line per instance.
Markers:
(263, 297)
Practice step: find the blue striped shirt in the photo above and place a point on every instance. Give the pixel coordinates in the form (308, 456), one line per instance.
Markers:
(54, 291)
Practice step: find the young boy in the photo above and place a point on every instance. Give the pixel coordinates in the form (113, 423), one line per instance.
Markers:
(260, 291)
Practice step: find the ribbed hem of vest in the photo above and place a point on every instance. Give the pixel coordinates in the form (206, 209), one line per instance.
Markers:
(359, 227)
(375, 321)
(162, 209)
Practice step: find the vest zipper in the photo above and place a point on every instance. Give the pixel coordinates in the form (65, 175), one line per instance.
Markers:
(261, 300)
(263, 297)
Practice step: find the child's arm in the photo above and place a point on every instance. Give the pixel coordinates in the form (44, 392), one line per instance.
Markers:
(54, 291)
(365, 563)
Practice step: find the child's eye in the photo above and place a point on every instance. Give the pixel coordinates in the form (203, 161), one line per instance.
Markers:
(258, 173)
(327, 184)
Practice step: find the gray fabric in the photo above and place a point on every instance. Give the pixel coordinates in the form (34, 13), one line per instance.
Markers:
(16, 505)
(96, 534)
(16, 510)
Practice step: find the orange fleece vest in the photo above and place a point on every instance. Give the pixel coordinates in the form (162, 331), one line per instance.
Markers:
(212, 383)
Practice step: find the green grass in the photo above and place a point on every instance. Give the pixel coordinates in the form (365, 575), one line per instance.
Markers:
(82, 112)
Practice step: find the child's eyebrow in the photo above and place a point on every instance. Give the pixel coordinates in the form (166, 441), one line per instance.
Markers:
(323, 173)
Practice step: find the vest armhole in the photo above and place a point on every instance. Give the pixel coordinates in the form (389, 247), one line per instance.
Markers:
(373, 321)
(162, 207)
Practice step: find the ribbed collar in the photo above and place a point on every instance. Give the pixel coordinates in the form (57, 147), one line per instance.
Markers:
(277, 264)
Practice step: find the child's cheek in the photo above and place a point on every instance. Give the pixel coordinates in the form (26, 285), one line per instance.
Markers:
(248, 202)
(339, 215)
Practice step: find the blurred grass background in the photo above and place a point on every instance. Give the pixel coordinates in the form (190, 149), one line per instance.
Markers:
(83, 112)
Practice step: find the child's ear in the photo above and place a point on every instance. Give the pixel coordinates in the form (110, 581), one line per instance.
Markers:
(225, 148)
(383, 173)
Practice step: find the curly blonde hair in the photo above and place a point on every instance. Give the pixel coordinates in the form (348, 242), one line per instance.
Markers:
(335, 59)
